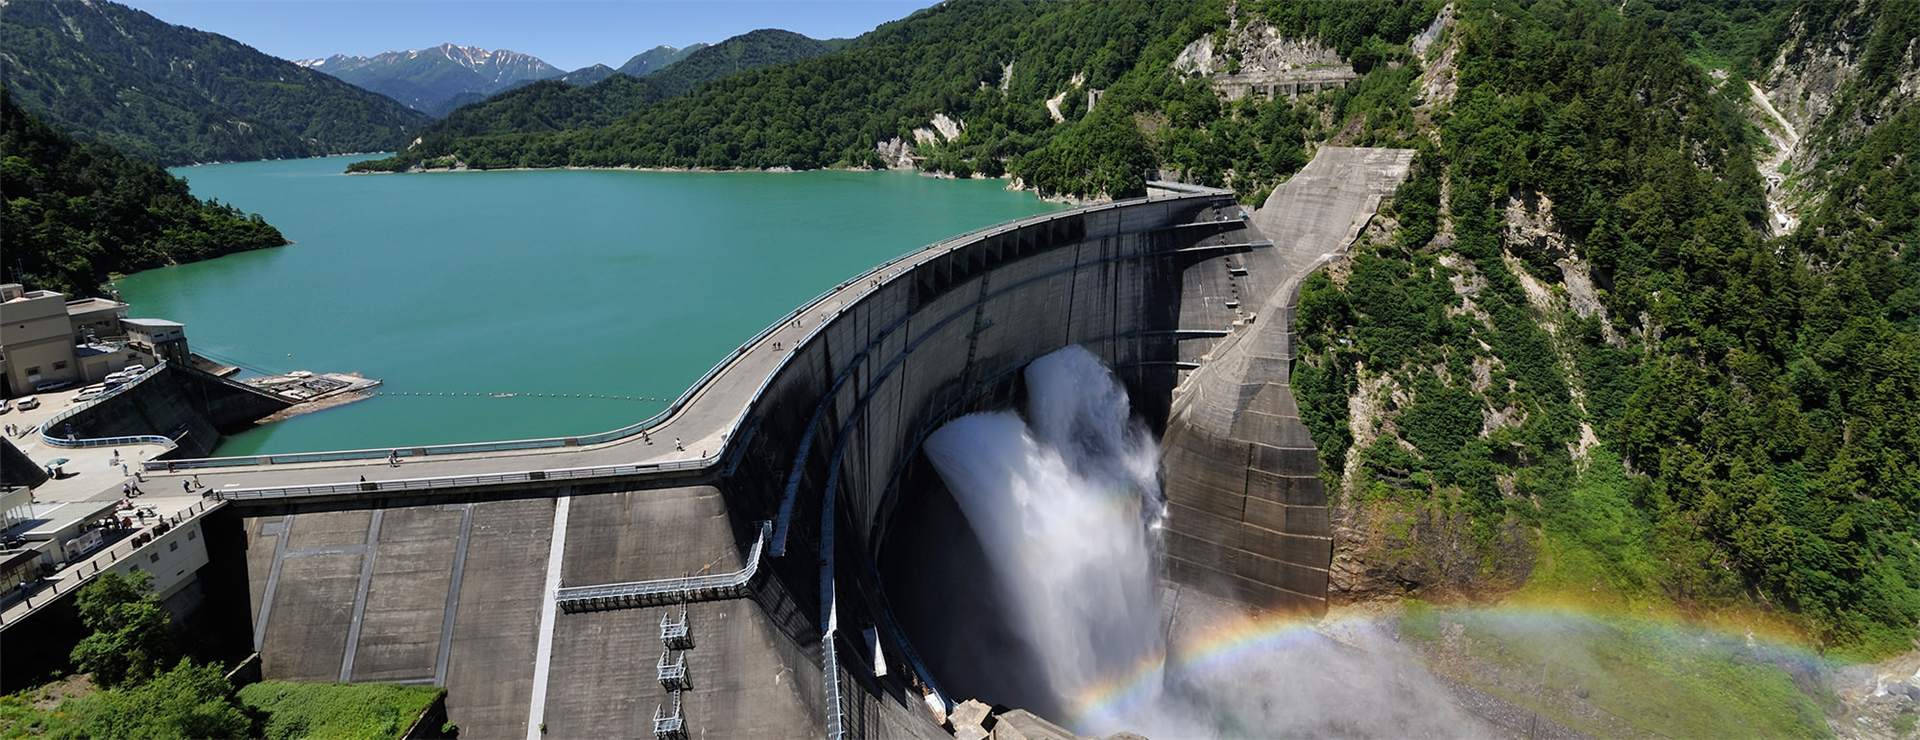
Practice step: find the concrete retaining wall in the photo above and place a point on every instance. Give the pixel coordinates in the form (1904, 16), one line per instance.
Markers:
(1248, 509)
(189, 406)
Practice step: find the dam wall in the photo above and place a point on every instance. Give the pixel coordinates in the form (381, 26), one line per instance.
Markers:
(816, 428)
(830, 448)
(1248, 510)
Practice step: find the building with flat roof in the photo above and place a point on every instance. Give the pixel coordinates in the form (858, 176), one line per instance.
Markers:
(36, 340)
(47, 341)
(163, 339)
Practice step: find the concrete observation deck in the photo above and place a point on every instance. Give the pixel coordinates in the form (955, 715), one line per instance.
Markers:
(443, 568)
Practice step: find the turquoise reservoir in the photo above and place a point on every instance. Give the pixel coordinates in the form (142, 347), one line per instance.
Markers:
(599, 284)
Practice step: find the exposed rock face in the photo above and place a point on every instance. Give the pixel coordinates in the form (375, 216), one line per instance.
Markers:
(1803, 86)
(897, 153)
(1437, 81)
(1257, 48)
(940, 129)
(949, 128)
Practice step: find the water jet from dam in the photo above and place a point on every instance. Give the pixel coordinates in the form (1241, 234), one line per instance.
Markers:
(1065, 504)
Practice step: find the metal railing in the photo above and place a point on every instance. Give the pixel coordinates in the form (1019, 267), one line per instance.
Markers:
(674, 634)
(672, 675)
(412, 484)
(137, 439)
(667, 590)
(46, 429)
(669, 726)
(830, 669)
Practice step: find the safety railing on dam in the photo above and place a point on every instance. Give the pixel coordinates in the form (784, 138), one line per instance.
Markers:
(666, 590)
(460, 481)
(878, 272)
(46, 430)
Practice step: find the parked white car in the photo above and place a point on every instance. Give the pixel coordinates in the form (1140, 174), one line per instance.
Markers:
(29, 403)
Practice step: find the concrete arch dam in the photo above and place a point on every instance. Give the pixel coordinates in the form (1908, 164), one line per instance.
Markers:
(450, 576)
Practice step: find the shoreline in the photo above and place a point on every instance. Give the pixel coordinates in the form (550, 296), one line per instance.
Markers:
(1015, 184)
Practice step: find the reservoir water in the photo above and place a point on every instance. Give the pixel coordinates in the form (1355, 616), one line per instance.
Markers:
(607, 285)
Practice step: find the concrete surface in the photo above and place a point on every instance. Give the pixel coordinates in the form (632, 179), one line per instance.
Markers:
(1248, 515)
(451, 593)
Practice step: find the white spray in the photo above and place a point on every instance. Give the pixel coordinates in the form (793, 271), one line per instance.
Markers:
(1067, 505)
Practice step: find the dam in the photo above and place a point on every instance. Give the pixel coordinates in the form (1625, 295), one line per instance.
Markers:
(732, 567)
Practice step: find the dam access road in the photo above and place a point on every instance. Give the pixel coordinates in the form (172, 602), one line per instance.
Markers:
(800, 448)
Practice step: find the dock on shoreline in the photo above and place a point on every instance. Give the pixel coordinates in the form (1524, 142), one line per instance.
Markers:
(312, 392)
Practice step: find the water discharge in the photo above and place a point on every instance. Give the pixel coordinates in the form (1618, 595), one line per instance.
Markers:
(1065, 502)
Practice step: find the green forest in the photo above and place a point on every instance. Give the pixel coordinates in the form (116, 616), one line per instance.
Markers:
(992, 65)
(1757, 400)
(173, 95)
(553, 105)
(73, 214)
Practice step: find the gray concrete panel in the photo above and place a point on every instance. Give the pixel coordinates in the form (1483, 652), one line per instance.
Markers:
(263, 535)
(1266, 514)
(1297, 490)
(1308, 552)
(604, 675)
(1276, 599)
(1214, 554)
(407, 597)
(306, 634)
(1275, 399)
(644, 535)
(329, 529)
(1282, 461)
(490, 671)
(1280, 431)
(1199, 495)
(1307, 520)
(1279, 573)
(1203, 525)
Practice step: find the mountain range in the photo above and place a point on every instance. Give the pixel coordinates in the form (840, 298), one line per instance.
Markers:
(424, 78)
(438, 80)
(174, 95)
(550, 105)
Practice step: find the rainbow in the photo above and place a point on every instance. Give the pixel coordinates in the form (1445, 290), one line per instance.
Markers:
(1220, 647)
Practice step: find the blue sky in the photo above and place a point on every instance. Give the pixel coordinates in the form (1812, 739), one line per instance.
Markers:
(568, 34)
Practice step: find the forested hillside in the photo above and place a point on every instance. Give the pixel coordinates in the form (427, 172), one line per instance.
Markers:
(174, 95)
(553, 105)
(1572, 360)
(73, 213)
(992, 67)
(656, 59)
